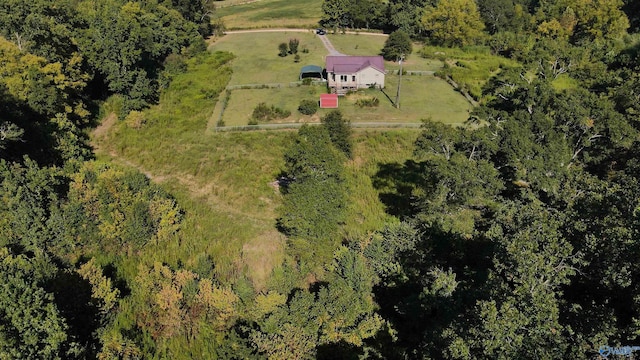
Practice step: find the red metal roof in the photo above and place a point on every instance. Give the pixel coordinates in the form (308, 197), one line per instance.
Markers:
(328, 101)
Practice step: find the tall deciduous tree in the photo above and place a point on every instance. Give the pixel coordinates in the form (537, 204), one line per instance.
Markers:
(453, 22)
(314, 200)
(32, 327)
(397, 44)
(586, 20)
(335, 14)
(339, 130)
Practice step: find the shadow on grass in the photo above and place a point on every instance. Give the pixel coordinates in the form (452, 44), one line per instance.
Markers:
(388, 97)
(395, 183)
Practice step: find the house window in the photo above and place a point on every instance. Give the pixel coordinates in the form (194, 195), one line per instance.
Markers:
(353, 78)
(343, 77)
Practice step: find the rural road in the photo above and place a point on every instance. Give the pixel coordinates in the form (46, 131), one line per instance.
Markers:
(325, 40)
(297, 30)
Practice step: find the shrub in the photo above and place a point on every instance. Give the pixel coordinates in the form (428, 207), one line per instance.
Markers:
(308, 107)
(368, 102)
(293, 46)
(283, 49)
(296, 58)
(339, 131)
(263, 112)
(307, 81)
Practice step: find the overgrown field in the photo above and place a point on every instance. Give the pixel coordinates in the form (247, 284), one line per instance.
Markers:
(470, 67)
(225, 181)
(270, 13)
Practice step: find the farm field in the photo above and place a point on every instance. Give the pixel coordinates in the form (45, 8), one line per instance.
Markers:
(270, 13)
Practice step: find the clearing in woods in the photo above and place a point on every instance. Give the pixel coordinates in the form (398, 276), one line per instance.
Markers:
(422, 96)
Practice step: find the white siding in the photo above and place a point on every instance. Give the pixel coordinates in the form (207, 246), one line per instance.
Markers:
(360, 80)
(370, 76)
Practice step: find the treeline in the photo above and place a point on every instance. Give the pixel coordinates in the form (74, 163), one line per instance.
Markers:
(514, 237)
(61, 56)
(64, 217)
(518, 222)
(465, 22)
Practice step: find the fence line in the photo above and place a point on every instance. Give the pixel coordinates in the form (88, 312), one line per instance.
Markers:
(273, 85)
(413, 72)
(223, 107)
(361, 125)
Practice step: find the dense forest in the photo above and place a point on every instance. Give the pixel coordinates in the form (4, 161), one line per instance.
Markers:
(514, 237)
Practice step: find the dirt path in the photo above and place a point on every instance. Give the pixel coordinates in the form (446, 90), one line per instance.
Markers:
(330, 48)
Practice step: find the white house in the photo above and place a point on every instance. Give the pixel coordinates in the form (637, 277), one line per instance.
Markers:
(346, 73)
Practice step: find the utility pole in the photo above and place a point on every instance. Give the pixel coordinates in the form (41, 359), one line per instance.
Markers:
(399, 82)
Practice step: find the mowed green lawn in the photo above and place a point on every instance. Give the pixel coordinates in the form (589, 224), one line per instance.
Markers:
(271, 14)
(421, 97)
(257, 60)
(366, 44)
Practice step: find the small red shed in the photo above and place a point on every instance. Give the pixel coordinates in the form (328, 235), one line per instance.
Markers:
(328, 101)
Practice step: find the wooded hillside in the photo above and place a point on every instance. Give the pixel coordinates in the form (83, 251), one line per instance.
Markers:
(512, 237)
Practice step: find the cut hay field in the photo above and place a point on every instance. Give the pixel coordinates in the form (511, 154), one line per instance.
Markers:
(269, 14)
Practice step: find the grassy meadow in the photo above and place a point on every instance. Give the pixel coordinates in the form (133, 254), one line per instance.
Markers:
(470, 67)
(269, 14)
(224, 181)
(421, 96)
(257, 60)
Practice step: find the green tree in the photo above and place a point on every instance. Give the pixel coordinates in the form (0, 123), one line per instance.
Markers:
(453, 23)
(198, 12)
(397, 44)
(293, 46)
(366, 14)
(28, 192)
(139, 39)
(314, 201)
(32, 327)
(503, 15)
(283, 50)
(532, 261)
(342, 311)
(339, 131)
(405, 15)
(335, 14)
(586, 20)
